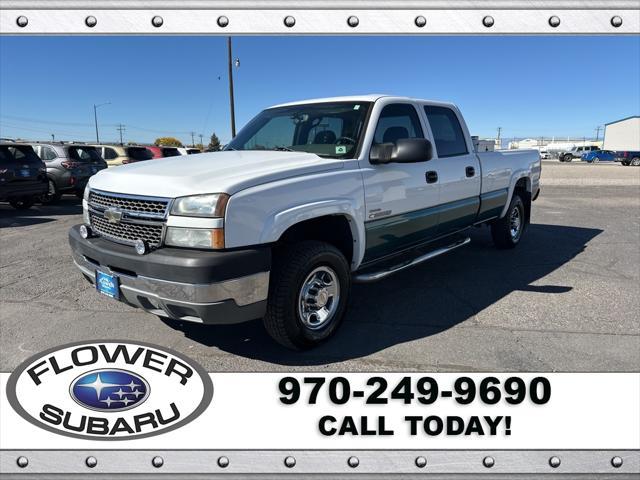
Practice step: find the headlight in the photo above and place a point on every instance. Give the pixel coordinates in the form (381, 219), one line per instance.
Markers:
(195, 237)
(210, 205)
(85, 206)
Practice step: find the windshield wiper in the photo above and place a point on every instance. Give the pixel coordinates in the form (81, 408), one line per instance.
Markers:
(283, 149)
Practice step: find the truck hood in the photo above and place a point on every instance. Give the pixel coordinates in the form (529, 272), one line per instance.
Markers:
(216, 172)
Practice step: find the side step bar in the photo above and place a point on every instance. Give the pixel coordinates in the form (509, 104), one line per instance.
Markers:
(375, 276)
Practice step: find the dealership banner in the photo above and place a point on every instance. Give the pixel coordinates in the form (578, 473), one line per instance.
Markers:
(127, 395)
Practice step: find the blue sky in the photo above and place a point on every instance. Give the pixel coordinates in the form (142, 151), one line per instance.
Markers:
(530, 86)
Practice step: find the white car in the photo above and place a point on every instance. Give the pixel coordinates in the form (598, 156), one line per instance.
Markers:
(309, 197)
(188, 150)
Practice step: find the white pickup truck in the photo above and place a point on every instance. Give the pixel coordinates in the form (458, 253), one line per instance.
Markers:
(307, 198)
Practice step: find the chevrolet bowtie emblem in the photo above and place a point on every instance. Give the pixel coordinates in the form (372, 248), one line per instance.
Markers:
(113, 215)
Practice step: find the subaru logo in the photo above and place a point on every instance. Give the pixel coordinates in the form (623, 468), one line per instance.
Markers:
(113, 215)
(109, 390)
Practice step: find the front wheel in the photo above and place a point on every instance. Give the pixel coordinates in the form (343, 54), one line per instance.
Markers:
(568, 158)
(507, 231)
(635, 161)
(308, 294)
(52, 195)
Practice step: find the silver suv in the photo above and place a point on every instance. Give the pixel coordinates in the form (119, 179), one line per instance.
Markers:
(576, 152)
(69, 166)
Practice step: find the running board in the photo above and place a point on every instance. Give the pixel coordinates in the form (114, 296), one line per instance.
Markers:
(375, 276)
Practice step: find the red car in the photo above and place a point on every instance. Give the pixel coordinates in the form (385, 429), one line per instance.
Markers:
(162, 152)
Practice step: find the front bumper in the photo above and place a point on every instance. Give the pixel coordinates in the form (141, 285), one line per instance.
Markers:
(190, 285)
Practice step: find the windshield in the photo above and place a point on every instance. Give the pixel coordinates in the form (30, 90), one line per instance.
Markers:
(18, 153)
(331, 130)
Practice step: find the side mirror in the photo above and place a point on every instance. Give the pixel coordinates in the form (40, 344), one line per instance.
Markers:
(406, 150)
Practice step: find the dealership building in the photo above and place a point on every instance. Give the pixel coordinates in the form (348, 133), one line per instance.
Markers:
(622, 134)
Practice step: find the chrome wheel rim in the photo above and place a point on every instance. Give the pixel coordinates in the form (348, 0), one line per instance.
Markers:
(319, 297)
(515, 223)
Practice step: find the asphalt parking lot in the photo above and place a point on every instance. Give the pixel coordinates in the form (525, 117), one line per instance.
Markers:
(567, 299)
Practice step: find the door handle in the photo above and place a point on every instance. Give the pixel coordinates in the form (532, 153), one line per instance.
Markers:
(431, 176)
(470, 171)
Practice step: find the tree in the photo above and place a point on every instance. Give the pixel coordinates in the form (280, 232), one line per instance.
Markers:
(214, 143)
(168, 141)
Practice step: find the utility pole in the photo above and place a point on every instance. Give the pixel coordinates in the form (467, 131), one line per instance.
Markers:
(598, 133)
(231, 100)
(498, 142)
(193, 142)
(95, 118)
(201, 143)
(121, 128)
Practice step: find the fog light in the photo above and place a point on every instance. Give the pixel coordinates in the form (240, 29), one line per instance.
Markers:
(85, 232)
(141, 247)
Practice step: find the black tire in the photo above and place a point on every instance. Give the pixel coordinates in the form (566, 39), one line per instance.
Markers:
(52, 196)
(23, 203)
(626, 164)
(568, 158)
(635, 161)
(292, 266)
(501, 229)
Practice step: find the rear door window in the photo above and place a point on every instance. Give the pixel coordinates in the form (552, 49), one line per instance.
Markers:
(110, 153)
(447, 131)
(48, 154)
(397, 121)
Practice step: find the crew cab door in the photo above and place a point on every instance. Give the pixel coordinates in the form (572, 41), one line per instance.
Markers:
(398, 196)
(457, 167)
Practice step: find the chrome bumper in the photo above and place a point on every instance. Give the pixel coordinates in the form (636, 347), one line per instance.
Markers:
(231, 301)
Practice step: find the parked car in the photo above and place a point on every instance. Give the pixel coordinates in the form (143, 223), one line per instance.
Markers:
(69, 167)
(188, 150)
(576, 152)
(116, 155)
(23, 176)
(280, 223)
(162, 152)
(629, 158)
(544, 155)
(599, 156)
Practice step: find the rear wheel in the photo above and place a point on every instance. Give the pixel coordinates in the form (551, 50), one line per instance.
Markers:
(596, 160)
(635, 161)
(568, 158)
(507, 231)
(308, 294)
(22, 203)
(52, 195)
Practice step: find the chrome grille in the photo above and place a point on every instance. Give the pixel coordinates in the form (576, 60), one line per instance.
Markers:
(137, 206)
(126, 232)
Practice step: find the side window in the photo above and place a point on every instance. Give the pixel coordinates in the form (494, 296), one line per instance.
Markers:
(48, 154)
(447, 132)
(110, 154)
(399, 120)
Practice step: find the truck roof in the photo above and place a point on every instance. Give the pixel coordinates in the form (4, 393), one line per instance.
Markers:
(372, 97)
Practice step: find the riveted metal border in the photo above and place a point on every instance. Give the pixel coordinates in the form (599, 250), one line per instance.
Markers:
(405, 18)
(343, 462)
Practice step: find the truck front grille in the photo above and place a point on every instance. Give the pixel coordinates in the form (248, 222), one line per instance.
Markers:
(127, 231)
(135, 206)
